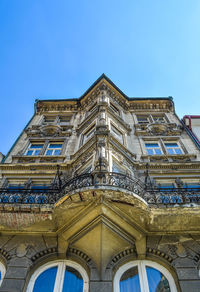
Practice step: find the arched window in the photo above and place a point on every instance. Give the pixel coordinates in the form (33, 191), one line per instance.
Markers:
(2, 272)
(143, 276)
(59, 276)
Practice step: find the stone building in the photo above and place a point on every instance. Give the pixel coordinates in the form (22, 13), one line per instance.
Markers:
(192, 125)
(101, 193)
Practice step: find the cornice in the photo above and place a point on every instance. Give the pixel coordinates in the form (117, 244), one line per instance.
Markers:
(169, 165)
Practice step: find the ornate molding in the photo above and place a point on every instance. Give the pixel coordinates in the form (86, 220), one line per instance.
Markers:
(5, 254)
(43, 253)
(159, 253)
(80, 254)
(126, 253)
(158, 129)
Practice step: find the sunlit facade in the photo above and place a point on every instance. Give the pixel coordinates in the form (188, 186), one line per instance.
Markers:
(101, 193)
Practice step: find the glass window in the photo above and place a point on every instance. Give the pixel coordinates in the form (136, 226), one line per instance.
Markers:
(173, 148)
(60, 276)
(166, 187)
(143, 276)
(143, 119)
(116, 168)
(156, 280)
(114, 108)
(117, 133)
(88, 134)
(53, 149)
(2, 272)
(34, 149)
(49, 119)
(158, 119)
(192, 187)
(153, 149)
(130, 279)
(65, 119)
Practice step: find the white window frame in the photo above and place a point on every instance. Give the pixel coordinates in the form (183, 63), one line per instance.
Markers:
(153, 142)
(54, 149)
(61, 264)
(143, 275)
(34, 150)
(3, 271)
(178, 147)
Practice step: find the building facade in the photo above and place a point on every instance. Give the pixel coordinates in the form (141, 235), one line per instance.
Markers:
(101, 193)
(192, 125)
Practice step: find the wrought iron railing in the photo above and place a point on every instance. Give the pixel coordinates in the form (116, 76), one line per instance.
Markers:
(110, 179)
(101, 180)
(175, 196)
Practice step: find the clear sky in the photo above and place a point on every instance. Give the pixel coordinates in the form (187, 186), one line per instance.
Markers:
(57, 49)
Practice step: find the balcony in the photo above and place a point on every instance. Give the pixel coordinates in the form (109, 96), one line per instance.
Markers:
(101, 181)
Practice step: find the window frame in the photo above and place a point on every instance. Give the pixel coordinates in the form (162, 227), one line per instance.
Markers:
(119, 137)
(143, 274)
(178, 147)
(29, 148)
(59, 280)
(3, 272)
(88, 133)
(162, 146)
(153, 148)
(53, 149)
(150, 118)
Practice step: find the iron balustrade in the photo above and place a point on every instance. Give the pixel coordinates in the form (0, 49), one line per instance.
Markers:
(101, 180)
(174, 196)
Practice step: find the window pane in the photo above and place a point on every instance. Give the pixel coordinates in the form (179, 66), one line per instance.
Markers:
(170, 151)
(57, 152)
(178, 151)
(158, 151)
(49, 152)
(36, 146)
(55, 146)
(153, 145)
(73, 282)
(129, 281)
(157, 281)
(150, 151)
(30, 152)
(171, 145)
(45, 282)
(37, 152)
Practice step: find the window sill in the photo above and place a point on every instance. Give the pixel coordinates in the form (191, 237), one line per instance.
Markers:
(37, 158)
(169, 157)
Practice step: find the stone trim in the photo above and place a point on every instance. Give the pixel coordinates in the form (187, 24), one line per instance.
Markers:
(44, 253)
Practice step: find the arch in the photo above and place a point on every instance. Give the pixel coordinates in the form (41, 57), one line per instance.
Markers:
(59, 274)
(142, 274)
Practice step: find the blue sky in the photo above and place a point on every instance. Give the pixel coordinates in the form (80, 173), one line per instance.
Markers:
(57, 49)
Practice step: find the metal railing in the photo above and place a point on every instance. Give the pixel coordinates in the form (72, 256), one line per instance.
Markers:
(101, 180)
